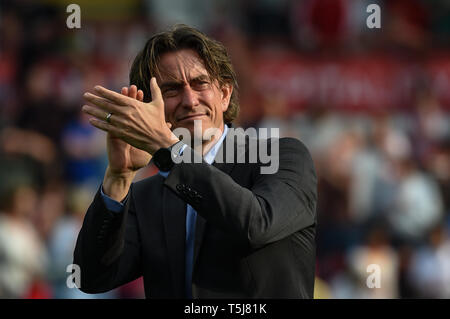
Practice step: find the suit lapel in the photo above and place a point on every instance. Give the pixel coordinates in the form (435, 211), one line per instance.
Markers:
(226, 167)
(174, 219)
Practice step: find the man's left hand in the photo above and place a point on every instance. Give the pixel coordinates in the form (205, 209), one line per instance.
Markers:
(140, 124)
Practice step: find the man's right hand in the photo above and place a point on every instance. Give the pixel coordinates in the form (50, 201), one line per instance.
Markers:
(124, 159)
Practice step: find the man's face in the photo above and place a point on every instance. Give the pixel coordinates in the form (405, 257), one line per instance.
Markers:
(188, 92)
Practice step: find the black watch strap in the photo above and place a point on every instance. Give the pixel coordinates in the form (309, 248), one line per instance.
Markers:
(163, 157)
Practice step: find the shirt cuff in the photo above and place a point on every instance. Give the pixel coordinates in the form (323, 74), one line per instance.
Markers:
(164, 174)
(111, 204)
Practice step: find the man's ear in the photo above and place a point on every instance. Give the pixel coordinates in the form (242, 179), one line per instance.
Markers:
(227, 91)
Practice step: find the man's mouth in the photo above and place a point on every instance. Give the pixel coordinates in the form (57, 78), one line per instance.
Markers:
(192, 117)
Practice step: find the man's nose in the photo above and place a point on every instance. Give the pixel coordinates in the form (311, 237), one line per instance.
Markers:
(189, 97)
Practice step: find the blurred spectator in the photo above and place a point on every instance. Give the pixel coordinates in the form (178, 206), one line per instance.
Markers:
(367, 166)
(266, 20)
(61, 243)
(28, 143)
(85, 149)
(198, 13)
(329, 24)
(438, 164)
(408, 23)
(430, 266)
(376, 252)
(23, 256)
(408, 197)
(440, 21)
(321, 289)
(418, 204)
(41, 111)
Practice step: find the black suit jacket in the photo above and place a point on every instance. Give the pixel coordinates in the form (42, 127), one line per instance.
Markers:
(255, 233)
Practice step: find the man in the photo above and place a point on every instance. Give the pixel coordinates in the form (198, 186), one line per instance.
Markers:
(196, 230)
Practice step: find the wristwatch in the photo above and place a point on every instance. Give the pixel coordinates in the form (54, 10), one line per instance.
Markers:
(163, 157)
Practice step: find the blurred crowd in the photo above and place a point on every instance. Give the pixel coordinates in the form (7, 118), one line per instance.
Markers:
(384, 171)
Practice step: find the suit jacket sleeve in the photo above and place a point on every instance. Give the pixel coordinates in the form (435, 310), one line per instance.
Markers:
(276, 206)
(108, 247)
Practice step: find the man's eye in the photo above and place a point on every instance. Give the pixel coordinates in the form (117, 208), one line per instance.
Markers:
(201, 84)
(170, 92)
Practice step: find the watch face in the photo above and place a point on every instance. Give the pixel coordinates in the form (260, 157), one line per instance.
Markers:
(163, 159)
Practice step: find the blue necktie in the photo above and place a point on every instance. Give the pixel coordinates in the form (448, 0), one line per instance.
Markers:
(191, 216)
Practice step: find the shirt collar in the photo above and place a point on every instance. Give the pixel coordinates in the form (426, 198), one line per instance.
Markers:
(209, 157)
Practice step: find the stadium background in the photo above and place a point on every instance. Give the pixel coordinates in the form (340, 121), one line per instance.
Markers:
(372, 105)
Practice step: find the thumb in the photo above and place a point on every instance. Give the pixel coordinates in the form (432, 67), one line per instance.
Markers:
(156, 91)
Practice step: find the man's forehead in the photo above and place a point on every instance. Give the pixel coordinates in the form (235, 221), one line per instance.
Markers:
(181, 65)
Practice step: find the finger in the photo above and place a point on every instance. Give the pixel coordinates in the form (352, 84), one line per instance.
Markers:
(155, 90)
(102, 103)
(107, 127)
(104, 126)
(124, 91)
(140, 96)
(169, 125)
(95, 112)
(115, 119)
(133, 92)
(114, 97)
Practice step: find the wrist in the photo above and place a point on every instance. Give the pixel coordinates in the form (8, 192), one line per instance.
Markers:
(117, 184)
(166, 142)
